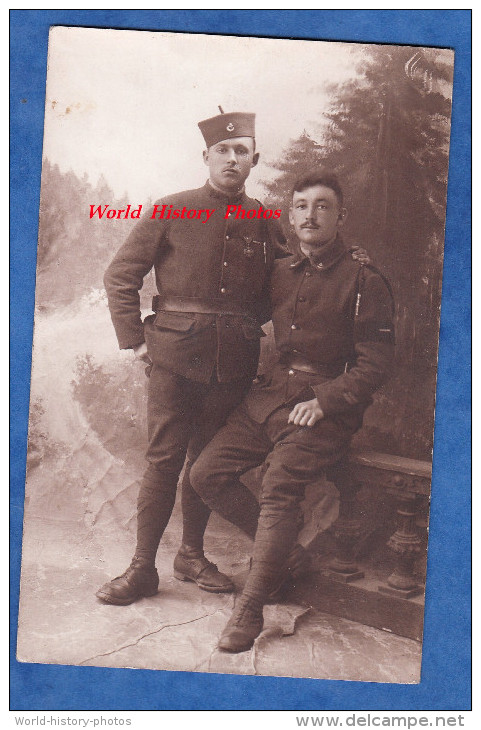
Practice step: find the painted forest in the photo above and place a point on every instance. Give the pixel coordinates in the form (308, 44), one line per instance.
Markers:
(387, 136)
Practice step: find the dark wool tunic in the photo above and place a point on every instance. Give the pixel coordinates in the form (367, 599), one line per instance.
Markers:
(212, 279)
(336, 315)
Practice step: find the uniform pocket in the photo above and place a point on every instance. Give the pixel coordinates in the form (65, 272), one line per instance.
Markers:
(173, 321)
(252, 331)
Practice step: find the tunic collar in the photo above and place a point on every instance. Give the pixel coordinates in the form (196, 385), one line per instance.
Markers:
(323, 259)
(218, 195)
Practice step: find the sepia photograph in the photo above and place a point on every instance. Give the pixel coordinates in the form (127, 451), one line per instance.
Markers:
(235, 350)
(246, 444)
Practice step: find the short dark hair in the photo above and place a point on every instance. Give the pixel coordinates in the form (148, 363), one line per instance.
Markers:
(319, 176)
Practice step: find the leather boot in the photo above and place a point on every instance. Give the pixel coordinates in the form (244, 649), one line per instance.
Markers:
(139, 580)
(191, 564)
(243, 627)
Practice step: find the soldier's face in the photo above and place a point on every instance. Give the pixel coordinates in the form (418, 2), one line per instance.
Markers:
(316, 215)
(230, 162)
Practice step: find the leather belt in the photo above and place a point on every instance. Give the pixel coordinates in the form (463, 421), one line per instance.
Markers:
(193, 305)
(297, 361)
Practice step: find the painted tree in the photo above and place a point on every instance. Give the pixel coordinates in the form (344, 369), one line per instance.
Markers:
(387, 136)
(73, 249)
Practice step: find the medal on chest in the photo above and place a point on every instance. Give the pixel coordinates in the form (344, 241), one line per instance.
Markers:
(248, 249)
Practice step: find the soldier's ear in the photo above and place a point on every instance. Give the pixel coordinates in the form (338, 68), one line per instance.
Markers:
(342, 217)
(205, 155)
(291, 217)
(255, 159)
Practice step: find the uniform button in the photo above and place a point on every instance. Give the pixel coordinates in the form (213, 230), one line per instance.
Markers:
(301, 299)
(291, 372)
(225, 263)
(294, 327)
(223, 290)
(308, 273)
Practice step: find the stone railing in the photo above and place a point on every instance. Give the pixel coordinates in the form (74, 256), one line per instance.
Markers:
(345, 586)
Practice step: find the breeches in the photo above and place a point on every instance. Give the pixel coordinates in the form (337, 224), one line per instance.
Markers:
(292, 457)
(182, 416)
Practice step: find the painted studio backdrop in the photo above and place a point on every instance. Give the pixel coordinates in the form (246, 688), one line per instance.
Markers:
(121, 119)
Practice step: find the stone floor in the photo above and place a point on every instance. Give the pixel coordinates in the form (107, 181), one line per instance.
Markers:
(61, 621)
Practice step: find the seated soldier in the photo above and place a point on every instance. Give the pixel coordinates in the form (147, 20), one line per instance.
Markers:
(333, 329)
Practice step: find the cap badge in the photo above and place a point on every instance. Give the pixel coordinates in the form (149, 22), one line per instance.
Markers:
(230, 127)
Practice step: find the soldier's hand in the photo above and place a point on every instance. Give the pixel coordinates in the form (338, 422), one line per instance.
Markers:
(141, 353)
(359, 254)
(306, 414)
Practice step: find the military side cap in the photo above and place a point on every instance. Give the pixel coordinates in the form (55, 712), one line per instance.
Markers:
(226, 126)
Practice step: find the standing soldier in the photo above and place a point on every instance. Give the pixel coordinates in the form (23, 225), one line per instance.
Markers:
(201, 345)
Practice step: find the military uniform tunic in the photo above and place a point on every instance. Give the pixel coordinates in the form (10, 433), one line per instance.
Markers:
(213, 278)
(334, 317)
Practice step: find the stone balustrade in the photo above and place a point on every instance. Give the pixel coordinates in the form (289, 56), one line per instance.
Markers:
(348, 586)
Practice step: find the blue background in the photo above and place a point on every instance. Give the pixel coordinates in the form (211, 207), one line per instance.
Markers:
(445, 681)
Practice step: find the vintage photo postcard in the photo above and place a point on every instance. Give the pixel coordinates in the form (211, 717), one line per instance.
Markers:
(235, 351)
